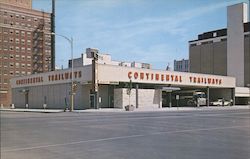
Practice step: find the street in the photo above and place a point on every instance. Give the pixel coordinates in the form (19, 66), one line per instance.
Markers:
(208, 134)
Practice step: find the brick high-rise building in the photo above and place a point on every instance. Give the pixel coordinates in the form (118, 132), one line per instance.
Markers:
(25, 43)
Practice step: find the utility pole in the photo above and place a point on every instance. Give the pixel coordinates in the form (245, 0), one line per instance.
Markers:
(95, 80)
(53, 36)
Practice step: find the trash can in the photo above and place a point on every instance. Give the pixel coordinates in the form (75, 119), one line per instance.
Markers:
(129, 107)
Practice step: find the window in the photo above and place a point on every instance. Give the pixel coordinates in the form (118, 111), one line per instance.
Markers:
(11, 40)
(12, 73)
(17, 57)
(11, 48)
(5, 64)
(5, 31)
(23, 41)
(23, 57)
(5, 48)
(17, 65)
(5, 40)
(23, 49)
(17, 49)
(17, 32)
(5, 72)
(11, 56)
(23, 65)
(17, 41)
(5, 81)
(11, 64)
(23, 33)
(17, 72)
(5, 56)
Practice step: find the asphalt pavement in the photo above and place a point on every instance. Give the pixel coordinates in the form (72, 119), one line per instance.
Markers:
(208, 134)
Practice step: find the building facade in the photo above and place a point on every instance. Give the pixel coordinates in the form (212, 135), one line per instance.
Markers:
(225, 51)
(181, 65)
(149, 88)
(87, 58)
(25, 43)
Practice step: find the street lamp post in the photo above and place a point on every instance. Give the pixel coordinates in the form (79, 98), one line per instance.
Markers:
(70, 40)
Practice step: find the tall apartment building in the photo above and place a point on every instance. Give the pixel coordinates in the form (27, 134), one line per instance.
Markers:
(25, 43)
(181, 65)
(225, 51)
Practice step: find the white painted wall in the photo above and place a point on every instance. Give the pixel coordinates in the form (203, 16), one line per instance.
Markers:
(111, 74)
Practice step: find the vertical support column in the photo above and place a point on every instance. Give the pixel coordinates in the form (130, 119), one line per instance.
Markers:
(160, 98)
(170, 99)
(136, 96)
(233, 96)
(95, 81)
(208, 96)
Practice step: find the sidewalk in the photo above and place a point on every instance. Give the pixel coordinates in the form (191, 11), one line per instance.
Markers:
(203, 108)
(114, 110)
(34, 110)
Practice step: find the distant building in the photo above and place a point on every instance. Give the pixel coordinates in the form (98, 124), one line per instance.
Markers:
(86, 59)
(225, 51)
(25, 48)
(181, 65)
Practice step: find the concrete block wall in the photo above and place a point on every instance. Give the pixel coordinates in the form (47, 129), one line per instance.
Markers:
(147, 98)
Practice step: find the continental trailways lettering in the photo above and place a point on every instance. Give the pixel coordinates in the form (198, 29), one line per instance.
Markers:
(174, 78)
(155, 76)
(51, 78)
(64, 76)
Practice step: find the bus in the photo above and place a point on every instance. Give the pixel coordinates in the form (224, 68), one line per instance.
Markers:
(192, 98)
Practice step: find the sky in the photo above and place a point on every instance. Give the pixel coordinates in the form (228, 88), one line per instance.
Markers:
(150, 31)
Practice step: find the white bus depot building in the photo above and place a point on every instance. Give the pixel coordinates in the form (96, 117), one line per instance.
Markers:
(116, 86)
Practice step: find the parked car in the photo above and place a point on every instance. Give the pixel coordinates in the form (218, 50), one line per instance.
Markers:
(220, 102)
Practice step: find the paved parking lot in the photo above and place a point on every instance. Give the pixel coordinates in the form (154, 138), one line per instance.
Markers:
(217, 134)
